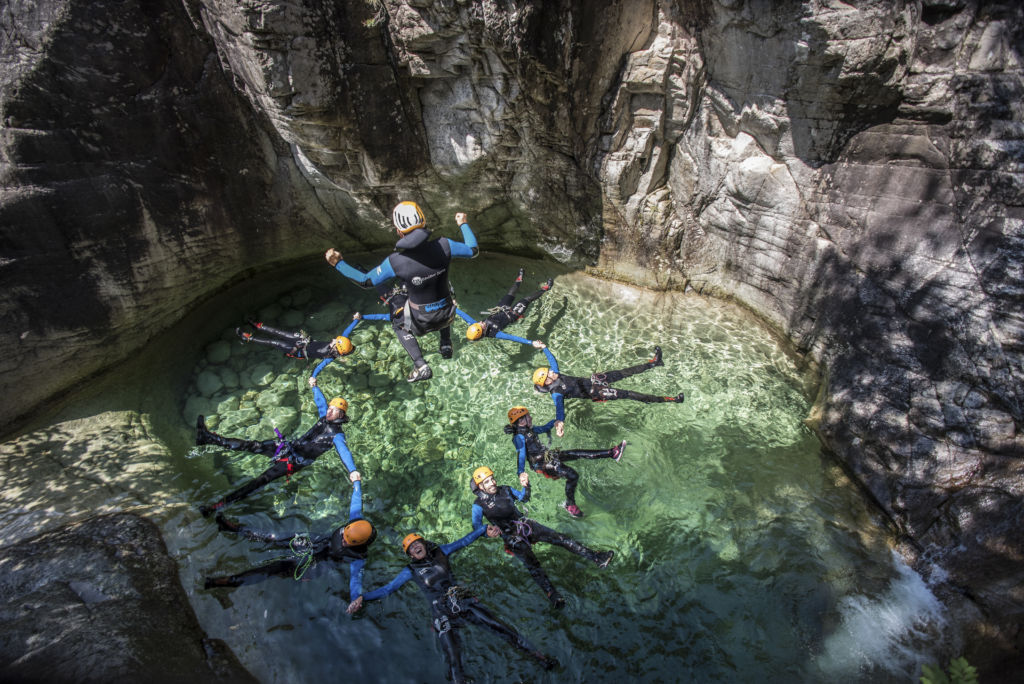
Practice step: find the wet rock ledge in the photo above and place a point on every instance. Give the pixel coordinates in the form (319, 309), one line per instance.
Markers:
(100, 601)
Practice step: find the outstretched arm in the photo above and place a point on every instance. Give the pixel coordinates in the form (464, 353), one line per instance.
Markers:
(478, 518)
(520, 443)
(449, 549)
(390, 587)
(318, 396)
(355, 579)
(355, 504)
(465, 316)
(346, 456)
(468, 247)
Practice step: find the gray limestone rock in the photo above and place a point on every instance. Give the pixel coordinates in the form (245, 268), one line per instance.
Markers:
(100, 601)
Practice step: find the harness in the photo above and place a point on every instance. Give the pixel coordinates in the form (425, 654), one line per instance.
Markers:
(600, 389)
(287, 458)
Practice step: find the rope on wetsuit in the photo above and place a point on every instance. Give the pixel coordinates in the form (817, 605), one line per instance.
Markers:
(453, 595)
(305, 557)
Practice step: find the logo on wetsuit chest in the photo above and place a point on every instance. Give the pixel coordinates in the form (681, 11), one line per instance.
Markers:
(419, 280)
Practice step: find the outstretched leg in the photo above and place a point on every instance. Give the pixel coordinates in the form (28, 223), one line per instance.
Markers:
(546, 534)
(266, 447)
(556, 468)
(520, 308)
(409, 343)
(510, 296)
(613, 393)
(479, 615)
(445, 345)
(280, 568)
(283, 334)
(449, 639)
(279, 469)
(522, 551)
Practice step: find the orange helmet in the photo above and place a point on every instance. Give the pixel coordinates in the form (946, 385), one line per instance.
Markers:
(339, 403)
(517, 412)
(342, 345)
(482, 473)
(409, 539)
(540, 375)
(475, 331)
(357, 532)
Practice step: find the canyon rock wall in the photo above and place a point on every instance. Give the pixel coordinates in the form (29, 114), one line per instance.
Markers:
(851, 171)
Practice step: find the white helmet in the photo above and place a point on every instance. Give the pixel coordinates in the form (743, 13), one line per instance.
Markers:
(408, 217)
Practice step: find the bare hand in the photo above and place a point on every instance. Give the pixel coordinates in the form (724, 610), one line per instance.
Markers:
(312, 381)
(357, 316)
(524, 479)
(493, 531)
(560, 428)
(460, 218)
(333, 256)
(537, 344)
(354, 476)
(355, 605)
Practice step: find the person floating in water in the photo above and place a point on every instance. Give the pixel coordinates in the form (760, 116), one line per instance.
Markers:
(550, 462)
(451, 605)
(348, 543)
(498, 505)
(298, 345)
(422, 266)
(597, 387)
(504, 314)
(288, 455)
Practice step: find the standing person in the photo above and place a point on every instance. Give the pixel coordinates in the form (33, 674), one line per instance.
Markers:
(597, 387)
(289, 456)
(498, 505)
(422, 266)
(348, 543)
(504, 314)
(451, 605)
(549, 462)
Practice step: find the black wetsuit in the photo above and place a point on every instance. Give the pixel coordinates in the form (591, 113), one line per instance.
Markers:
(506, 313)
(451, 605)
(597, 386)
(549, 462)
(290, 456)
(306, 559)
(295, 345)
(520, 533)
(421, 265)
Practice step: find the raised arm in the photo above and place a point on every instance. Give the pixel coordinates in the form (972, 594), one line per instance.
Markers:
(477, 518)
(468, 248)
(318, 396)
(449, 549)
(355, 579)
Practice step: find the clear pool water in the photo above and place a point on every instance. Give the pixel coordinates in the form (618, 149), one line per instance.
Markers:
(741, 551)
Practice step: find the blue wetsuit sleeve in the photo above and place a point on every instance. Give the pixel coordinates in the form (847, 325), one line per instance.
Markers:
(478, 518)
(449, 549)
(559, 406)
(355, 579)
(321, 367)
(355, 504)
(350, 328)
(552, 361)
(546, 427)
(520, 442)
(465, 316)
(377, 317)
(501, 335)
(389, 588)
(468, 247)
(383, 273)
(351, 272)
(520, 493)
(319, 400)
(342, 448)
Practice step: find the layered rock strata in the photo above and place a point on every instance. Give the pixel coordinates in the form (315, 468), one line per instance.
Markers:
(851, 171)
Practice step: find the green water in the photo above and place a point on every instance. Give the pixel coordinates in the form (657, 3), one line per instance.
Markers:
(741, 553)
